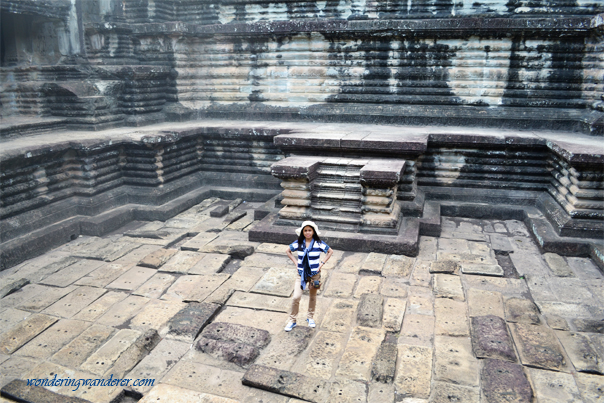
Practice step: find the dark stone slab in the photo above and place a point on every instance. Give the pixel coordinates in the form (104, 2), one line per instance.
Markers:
(370, 311)
(234, 216)
(445, 266)
(296, 167)
(384, 364)
(504, 382)
(219, 211)
(382, 173)
(589, 325)
(491, 339)
(238, 353)
(538, 347)
(521, 310)
(286, 383)
(19, 391)
(189, 321)
(237, 333)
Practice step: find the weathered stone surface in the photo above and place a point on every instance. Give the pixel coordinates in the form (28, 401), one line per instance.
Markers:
(205, 285)
(584, 268)
(522, 311)
(448, 286)
(53, 339)
(238, 353)
(182, 288)
(19, 390)
(565, 310)
(398, 266)
(359, 353)
(15, 367)
(557, 322)
(504, 382)
(211, 263)
(166, 393)
(182, 261)
(112, 251)
(538, 346)
(323, 354)
(155, 314)
(590, 387)
(340, 285)
(73, 302)
(384, 364)
(80, 348)
(413, 371)
(268, 260)
(550, 386)
(234, 243)
(234, 216)
(352, 263)
(158, 258)
(573, 290)
(100, 306)
(144, 344)
(340, 316)
(270, 321)
(374, 263)
(132, 279)
(417, 330)
(367, 285)
(155, 286)
(286, 383)
(445, 266)
(558, 265)
(34, 297)
(482, 303)
(24, 331)
(421, 276)
(450, 318)
(490, 338)
(13, 286)
(501, 244)
(581, 353)
(122, 311)
(259, 301)
(394, 312)
(482, 269)
(394, 287)
(444, 392)
(136, 255)
(344, 390)
(380, 392)
(103, 275)
(187, 323)
(72, 273)
(371, 309)
(10, 317)
(454, 361)
(285, 347)
(102, 360)
(466, 258)
(219, 211)
(506, 286)
(237, 333)
(589, 325)
(277, 281)
(272, 248)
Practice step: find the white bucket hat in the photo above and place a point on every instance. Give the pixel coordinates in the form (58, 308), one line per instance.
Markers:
(308, 224)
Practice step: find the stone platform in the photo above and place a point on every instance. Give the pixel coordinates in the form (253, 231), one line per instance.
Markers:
(480, 314)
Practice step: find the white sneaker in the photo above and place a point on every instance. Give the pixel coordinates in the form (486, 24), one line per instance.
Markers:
(311, 323)
(290, 326)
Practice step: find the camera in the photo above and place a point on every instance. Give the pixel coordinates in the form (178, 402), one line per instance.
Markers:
(316, 284)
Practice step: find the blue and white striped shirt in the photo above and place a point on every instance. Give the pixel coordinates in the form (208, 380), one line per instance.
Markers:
(314, 255)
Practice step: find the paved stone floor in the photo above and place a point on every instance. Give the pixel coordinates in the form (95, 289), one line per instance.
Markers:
(479, 316)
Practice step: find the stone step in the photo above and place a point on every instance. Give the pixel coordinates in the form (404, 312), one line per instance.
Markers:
(344, 196)
(336, 219)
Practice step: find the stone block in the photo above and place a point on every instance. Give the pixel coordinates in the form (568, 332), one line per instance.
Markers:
(72, 273)
(272, 322)
(182, 261)
(398, 266)
(20, 391)
(371, 309)
(53, 339)
(10, 317)
(482, 269)
(132, 279)
(102, 360)
(344, 390)
(420, 305)
(24, 331)
(395, 287)
(504, 382)
(122, 311)
(538, 346)
(382, 173)
(491, 339)
(445, 266)
(41, 300)
(219, 211)
(158, 258)
(79, 349)
(380, 392)
(155, 286)
(450, 318)
(235, 244)
(418, 330)
(367, 285)
(557, 322)
(444, 392)
(205, 285)
(73, 302)
(558, 265)
(211, 263)
(352, 263)
(277, 281)
(196, 244)
(521, 310)
(272, 248)
(103, 275)
(340, 316)
(324, 353)
(394, 311)
(187, 323)
(359, 353)
(588, 325)
(448, 286)
(259, 301)
(234, 216)
(454, 361)
(414, 371)
(155, 315)
(237, 333)
(374, 263)
(466, 258)
(483, 303)
(384, 364)
(501, 244)
(581, 353)
(590, 387)
(285, 348)
(182, 288)
(340, 285)
(141, 347)
(238, 353)
(95, 310)
(549, 386)
(265, 260)
(15, 367)
(13, 286)
(166, 393)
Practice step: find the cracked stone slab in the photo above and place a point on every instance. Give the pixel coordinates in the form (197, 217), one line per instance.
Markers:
(384, 364)
(132, 279)
(242, 280)
(538, 346)
(72, 303)
(371, 309)
(24, 331)
(79, 349)
(398, 266)
(199, 241)
(72, 273)
(122, 311)
(558, 265)
(483, 303)
(590, 387)
(506, 286)
(95, 310)
(448, 286)
(234, 216)
(155, 314)
(182, 261)
(237, 333)
(155, 286)
(324, 353)
(141, 347)
(285, 347)
(103, 275)
(454, 361)
(504, 382)
(238, 353)
(444, 392)
(564, 309)
(374, 263)
(549, 386)
(19, 390)
(521, 310)
(211, 263)
(445, 267)
(394, 312)
(450, 318)
(359, 353)
(158, 258)
(491, 339)
(340, 316)
(206, 284)
(53, 339)
(259, 301)
(367, 285)
(187, 323)
(414, 371)
(421, 276)
(581, 353)
(482, 269)
(418, 330)
(340, 285)
(277, 281)
(286, 383)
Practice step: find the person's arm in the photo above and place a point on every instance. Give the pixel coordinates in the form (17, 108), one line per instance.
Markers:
(329, 253)
(291, 257)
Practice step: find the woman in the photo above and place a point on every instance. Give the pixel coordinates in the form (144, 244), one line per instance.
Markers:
(309, 247)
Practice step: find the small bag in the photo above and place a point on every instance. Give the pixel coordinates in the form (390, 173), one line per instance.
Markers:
(316, 284)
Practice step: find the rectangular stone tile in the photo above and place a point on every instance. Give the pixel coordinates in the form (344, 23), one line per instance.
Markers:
(137, 254)
(111, 251)
(206, 286)
(189, 321)
(199, 241)
(155, 286)
(454, 361)
(371, 309)
(122, 311)
(53, 339)
(483, 303)
(420, 304)
(272, 248)
(258, 301)
(572, 290)
(398, 266)
(590, 387)
(480, 248)
(103, 275)
(581, 353)
(374, 263)
(345, 390)
(211, 263)
(448, 286)
(159, 361)
(564, 310)
(75, 301)
(394, 312)
(265, 260)
(182, 287)
(79, 349)
(445, 267)
(444, 392)
(101, 361)
(482, 269)
(503, 381)
(359, 353)
(352, 263)
(340, 316)
(240, 334)
(417, 330)
(450, 318)
(491, 339)
(72, 273)
(94, 311)
(132, 279)
(324, 353)
(584, 268)
(506, 286)
(157, 259)
(48, 296)
(277, 281)
(15, 368)
(449, 245)
(24, 331)
(414, 371)
(285, 348)
(242, 280)
(46, 370)
(427, 248)
(182, 262)
(25, 294)
(10, 317)
(286, 383)
(467, 258)
(540, 289)
(501, 243)
(340, 285)
(35, 271)
(367, 285)
(384, 363)
(394, 287)
(550, 387)
(558, 265)
(155, 315)
(538, 346)
(272, 322)
(529, 263)
(522, 311)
